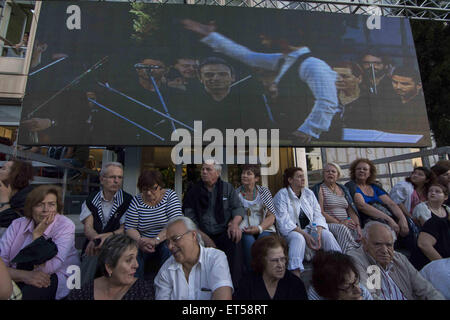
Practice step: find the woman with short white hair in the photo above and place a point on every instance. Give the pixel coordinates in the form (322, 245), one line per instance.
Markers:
(338, 208)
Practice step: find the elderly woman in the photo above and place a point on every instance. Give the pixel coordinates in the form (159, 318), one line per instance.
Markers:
(270, 280)
(39, 247)
(335, 277)
(434, 238)
(373, 202)
(338, 208)
(296, 210)
(117, 263)
(147, 216)
(260, 213)
(15, 177)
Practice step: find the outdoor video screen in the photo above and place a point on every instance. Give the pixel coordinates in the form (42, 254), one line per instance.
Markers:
(133, 73)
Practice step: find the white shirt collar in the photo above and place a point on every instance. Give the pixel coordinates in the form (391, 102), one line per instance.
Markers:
(102, 196)
(178, 266)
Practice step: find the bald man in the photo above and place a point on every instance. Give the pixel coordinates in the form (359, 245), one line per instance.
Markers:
(386, 273)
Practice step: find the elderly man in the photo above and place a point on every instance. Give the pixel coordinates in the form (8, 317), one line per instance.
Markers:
(388, 274)
(193, 272)
(215, 207)
(103, 213)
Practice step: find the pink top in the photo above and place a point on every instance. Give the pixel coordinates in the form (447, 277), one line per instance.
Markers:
(62, 231)
(415, 200)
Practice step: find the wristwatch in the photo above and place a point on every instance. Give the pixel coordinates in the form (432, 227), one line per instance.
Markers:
(158, 239)
(2, 204)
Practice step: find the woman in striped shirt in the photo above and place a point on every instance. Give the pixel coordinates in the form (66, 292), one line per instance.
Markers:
(148, 215)
(338, 208)
(257, 201)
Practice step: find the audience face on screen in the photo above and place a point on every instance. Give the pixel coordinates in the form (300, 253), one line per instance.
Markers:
(378, 65)
(405, 87)
(157, 72)
(187, 67)
(346, 79)
(216, 77)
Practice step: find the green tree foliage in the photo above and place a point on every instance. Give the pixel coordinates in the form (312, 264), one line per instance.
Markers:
(432, 41)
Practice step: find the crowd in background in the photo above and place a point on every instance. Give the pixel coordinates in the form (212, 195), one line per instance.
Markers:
(222, 242)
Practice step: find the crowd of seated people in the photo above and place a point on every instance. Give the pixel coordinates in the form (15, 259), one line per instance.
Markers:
(222, 243)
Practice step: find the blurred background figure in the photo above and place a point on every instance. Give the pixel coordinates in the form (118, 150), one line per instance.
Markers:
(335, 277)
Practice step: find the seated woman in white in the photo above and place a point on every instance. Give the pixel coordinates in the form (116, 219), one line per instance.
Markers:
(296, 210)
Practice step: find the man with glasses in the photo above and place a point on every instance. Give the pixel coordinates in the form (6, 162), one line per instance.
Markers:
(388, 274)
(103, 215)
(193, 272)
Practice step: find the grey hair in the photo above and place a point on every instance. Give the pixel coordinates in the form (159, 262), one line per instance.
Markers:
(110, 164)
(216, 165)
(368, 225)
(334, 164)
(190, 226)
(111, 251)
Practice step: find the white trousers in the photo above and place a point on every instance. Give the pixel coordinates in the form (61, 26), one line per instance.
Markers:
(297, 245)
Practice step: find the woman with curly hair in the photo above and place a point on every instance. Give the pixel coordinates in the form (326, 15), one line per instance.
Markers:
(372, 202)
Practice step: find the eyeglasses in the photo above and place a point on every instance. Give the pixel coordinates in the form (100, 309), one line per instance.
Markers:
(114, 177)
(43, 205)
(351, 286)
(281, 260)
(175, 239)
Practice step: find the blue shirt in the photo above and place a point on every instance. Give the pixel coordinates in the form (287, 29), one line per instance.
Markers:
(377, 192)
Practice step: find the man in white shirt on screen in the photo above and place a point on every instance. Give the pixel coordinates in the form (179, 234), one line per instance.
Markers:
(301, 79)
(193, 272)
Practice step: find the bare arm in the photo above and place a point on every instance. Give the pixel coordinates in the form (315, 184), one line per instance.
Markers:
(395, 209)
(34, 278)
(393, 206)
(368, 209)
(403, 208)
(328, 218)
(268, 221)
(89, 230)
(222, 293)
(426, 243)
(5, 282)
(374, 212)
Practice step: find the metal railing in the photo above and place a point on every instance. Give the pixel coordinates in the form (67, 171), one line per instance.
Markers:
(443, 152)
(39, 160)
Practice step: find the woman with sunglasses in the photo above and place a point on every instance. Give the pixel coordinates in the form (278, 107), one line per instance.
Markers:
(147, 216)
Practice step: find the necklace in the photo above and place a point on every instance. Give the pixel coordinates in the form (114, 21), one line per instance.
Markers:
(436, 211)
(244, 194)
(332, 188)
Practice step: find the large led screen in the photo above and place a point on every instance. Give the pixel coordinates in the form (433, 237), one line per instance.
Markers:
(132, 73)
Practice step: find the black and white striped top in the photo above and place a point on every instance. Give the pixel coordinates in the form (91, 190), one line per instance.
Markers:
(148, 220)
